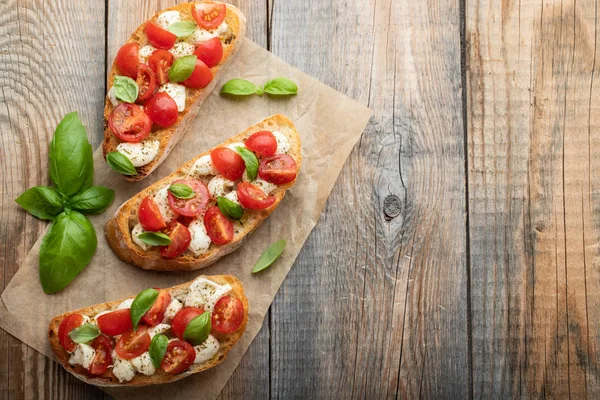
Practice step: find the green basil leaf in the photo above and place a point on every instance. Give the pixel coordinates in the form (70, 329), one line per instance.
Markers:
(182, 68)
(158, 349)
(126, 89)
(269, 256)
(182, 28)
(251, 162)
(182, 191)
(92, 201)
(41, 201)
(230, 209)
(198, 329)
(239, 87)
(141, 304)
(71, 162)
(281, 86)
(155, 238)
(120, 163)
(66, 250)
(84, 333)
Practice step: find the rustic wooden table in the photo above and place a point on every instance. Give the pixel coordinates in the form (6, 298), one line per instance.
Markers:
(458, 254)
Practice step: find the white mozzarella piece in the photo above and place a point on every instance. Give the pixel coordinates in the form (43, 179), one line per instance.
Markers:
(200, 240)
(219, 186)
(181, 49)
(174, 307)
(112, 96)
(122, 369)
(203, 166)
(263, 185)
(135, 233)
(205, 293)
(233, 196)
(177, 93)
(126, 304)
(202, 35)
(145, 52)
(235, 145)
(207, 350)
(167, 18)
(160, 328)
(283, 144)
(140, 153)
(143, 364)
(161, 198)
(83, 355)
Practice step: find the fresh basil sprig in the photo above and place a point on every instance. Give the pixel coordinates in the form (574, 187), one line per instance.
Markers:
(158, 349)
(155, 238)
(141, 304)
(182, 191)
(93, 201)
(230, 209)
(126, 89)
(120, 163)
(250, 160)
(269, 256)
(182, 68)
(182, 29)
(279, 86)
(42, 201)
(84, 333)
(239, 87)
(198, 329)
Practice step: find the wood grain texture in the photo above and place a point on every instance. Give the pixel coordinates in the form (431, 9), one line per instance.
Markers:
(533, 131)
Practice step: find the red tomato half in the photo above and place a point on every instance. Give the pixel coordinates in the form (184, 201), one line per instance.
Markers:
(228, 314)
(183, 318)
(133, 343)
(278, 169)
(103, 347)
(200, 78)
(115, 322)
(160, 61)
(156, 313)
(195, 205)
(159, 37)
(218, 227)
(209, 15)
(180, 240)
(210, 52)
(162, 109)
(129, 123)
(146, 82)
(150, 216)
(229, 163)
(180, 356)
(263, 143)
(127, 59)
(67, 325)
(252, 197)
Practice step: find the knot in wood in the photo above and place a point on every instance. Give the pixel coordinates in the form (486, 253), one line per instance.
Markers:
(392, 206)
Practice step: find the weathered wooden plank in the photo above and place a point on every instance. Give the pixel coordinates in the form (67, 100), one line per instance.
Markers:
(533, 122)
(376, 304)
(51, 63)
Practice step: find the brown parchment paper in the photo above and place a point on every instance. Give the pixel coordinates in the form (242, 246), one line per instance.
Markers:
(329, 124)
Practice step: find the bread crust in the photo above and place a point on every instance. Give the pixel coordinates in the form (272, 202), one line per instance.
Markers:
(118, 229)
(169, 137)
(226, 341)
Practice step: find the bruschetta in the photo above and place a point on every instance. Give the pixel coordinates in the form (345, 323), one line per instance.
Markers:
(203, 211)
(161, 76)
(158, 336)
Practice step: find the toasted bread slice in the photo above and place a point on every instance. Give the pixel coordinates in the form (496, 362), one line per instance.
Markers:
(118, 229)
(226, 341)
(169, 137)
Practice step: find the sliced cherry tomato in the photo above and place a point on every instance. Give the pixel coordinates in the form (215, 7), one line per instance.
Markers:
(186, 220)
(252, 197)
(146, 82)
(180, 240)
(200, 78)
(115, 322)
(160, 55)
(218, 227)
(150, 216)
(278, 169)
(156, 313)
(159, 37)
(263, 143)
(209, 15)
(128, 59)
(195, 205)
(162, 109)
(180, 356)
(228, 314)
(103, 358)
(210, 52)
(183, 318)
(162, 72)
(133, 343)
(129, 122)
(67, 325)
(229, 163)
